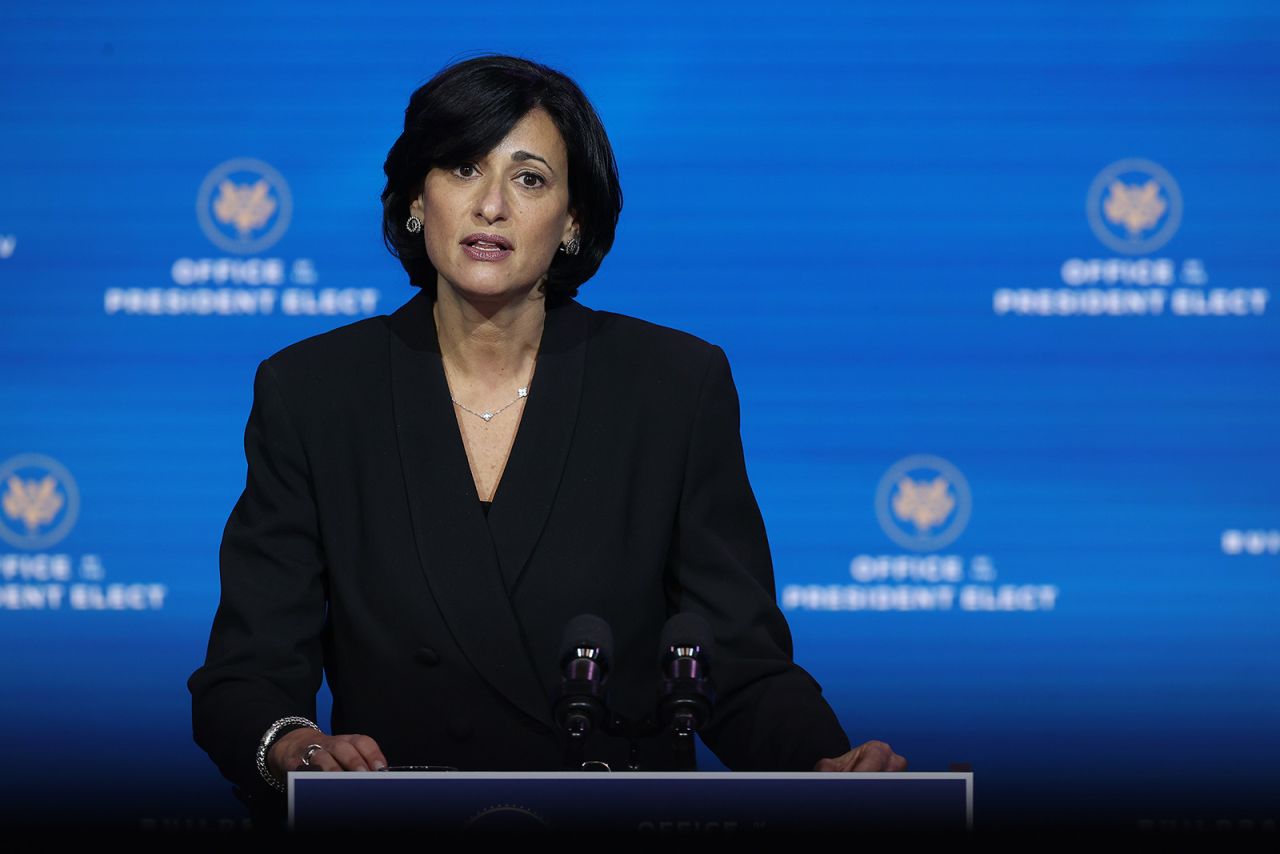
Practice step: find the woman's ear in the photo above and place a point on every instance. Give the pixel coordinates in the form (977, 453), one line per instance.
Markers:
(572, 230)
(417, 207)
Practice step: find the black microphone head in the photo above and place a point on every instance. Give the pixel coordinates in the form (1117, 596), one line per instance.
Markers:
(587, 631)
(686, 629)
(686, 695)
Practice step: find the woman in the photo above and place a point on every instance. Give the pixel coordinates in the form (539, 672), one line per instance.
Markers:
(433, 494)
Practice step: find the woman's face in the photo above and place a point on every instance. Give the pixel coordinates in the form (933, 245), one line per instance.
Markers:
(518, 195)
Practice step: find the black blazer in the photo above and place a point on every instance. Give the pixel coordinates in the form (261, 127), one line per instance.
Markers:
(625, 495)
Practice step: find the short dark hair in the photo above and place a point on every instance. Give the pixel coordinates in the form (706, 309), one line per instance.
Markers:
(466, 110)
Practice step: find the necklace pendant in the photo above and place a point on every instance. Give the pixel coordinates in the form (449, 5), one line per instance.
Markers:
(486, 415)
(523, 392)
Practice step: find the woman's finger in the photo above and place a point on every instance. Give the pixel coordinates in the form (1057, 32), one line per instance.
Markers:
(320, 760)
(349, 759)
(873, 756)
(369, 749)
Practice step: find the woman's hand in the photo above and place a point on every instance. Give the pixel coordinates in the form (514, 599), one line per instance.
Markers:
(340, 753)
(872, 756)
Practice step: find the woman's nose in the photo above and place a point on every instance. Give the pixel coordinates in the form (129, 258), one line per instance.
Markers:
(492, 202)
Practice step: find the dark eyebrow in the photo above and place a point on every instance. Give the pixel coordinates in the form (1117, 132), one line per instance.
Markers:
(527, 155)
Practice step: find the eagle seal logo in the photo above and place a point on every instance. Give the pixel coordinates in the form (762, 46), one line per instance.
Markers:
(244, 206)
(1134, 206)
(923, 502)
(39, 501)
(507, 818)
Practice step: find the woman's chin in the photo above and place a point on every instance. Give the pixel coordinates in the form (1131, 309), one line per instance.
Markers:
(495, 294)
(499, 291)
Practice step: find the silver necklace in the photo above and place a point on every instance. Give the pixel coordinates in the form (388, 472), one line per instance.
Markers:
(487, 415)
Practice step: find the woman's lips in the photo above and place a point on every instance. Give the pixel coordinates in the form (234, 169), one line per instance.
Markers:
(481, 249)
(485, 251)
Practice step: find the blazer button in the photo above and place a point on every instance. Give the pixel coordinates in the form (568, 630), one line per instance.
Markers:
(460, 729)
(427, 656)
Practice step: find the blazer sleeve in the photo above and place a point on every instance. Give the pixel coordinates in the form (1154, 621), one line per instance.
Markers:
(264, 659)
(769, 712)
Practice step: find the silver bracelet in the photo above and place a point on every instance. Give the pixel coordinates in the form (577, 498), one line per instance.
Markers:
(267, 741)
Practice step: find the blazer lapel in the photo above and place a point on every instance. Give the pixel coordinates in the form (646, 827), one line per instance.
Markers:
(469, 565)
(527, 491)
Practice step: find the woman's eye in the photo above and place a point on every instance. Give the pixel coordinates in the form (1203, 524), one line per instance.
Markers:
(538, 180)
(458, 169)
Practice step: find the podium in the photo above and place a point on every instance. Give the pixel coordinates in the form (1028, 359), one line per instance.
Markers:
(645, 803)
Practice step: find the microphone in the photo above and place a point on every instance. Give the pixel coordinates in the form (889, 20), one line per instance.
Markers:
(585, 657)
(686, 695)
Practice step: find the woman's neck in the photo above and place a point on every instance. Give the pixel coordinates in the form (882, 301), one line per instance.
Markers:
(488, 347)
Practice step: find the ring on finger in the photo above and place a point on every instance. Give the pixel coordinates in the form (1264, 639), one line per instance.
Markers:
(311, 749)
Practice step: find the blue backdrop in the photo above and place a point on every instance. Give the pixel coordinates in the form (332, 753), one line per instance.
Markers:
(995, 281)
